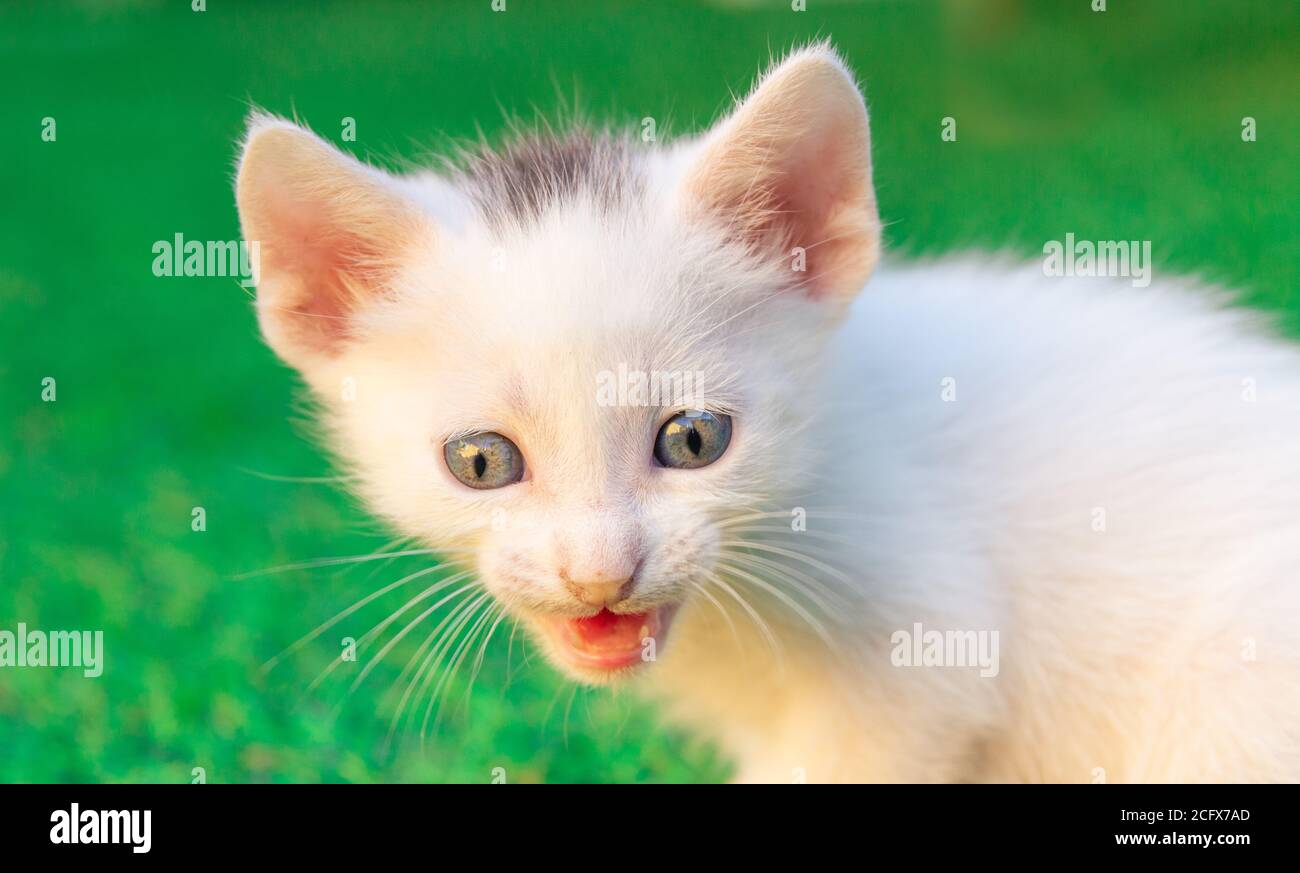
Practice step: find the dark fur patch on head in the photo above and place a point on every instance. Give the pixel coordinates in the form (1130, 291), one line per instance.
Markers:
(516, 184)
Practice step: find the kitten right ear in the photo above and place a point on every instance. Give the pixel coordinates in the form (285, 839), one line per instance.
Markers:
(330, 233)
(791, 167)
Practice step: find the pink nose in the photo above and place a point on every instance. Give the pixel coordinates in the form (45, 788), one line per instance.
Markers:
(598, 592)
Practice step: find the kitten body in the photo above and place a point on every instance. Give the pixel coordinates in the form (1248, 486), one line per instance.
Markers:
(1094, 472)
(1092, 483)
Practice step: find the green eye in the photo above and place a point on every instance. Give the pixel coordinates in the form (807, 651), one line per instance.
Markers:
(484, 460)
(693, 439)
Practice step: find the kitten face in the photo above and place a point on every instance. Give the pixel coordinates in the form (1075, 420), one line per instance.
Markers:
(425, 312)
(527, 352)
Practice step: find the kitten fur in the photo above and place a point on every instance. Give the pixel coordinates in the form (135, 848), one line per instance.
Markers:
(974, 446)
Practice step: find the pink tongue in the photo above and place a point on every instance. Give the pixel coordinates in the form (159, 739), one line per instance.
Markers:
(608, 630)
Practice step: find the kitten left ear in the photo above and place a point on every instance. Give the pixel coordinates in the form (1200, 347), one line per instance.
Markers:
(791, 168)
(331, 233)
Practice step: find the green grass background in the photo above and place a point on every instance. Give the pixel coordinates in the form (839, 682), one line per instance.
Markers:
(1117, 125)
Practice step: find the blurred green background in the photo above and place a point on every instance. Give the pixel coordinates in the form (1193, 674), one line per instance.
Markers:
(1124, 124)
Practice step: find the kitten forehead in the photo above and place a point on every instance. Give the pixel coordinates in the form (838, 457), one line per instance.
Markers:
(516, 184)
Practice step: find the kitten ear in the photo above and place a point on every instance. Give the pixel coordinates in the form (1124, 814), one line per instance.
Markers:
(330, 233)
(791, 167)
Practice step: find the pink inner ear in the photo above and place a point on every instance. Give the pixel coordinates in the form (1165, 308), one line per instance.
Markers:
(328, 259)
(313, 301)
(331, 233)
(816, 200)
(810, 206)
(791, 168)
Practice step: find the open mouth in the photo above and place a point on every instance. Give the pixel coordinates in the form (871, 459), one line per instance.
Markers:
(608, 641)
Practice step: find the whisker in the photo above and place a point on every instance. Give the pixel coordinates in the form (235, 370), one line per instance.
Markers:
(434, 670)
(567, 709)
(786, 514)
(320, 629)
(726, 616)
(453, 668)
(365, 639)
(510, 651)
(762, 625)
(817, 626)
(378, 629)
(380, 566)
(297, 480)
(789, 553)
(482, 652)
(550, 707)
(439, 652)
(433, 643)
(785, 531)
(334, 562)
(814, 588)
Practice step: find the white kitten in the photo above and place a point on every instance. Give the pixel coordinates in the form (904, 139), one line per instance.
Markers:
(1094, 489)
